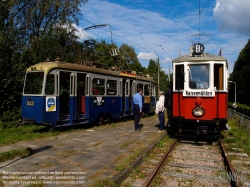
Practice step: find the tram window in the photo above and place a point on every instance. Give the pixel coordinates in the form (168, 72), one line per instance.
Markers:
(64, 83)
(126, 87)
(98, 86)
(198, 76)
(218, 76)
(81, 84)
(146, 89)
(50, 85)
(179, 77)
(140, 86)
(34, 83)
(111, 87)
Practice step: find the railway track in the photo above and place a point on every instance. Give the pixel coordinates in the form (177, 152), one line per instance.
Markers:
(193, 164)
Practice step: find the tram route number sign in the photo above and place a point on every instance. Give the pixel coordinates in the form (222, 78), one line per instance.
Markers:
(198, 48)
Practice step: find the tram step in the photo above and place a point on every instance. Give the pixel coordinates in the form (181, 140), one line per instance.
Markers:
(64, 117)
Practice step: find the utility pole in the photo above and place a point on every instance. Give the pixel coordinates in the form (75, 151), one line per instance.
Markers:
(158, 76)
(169, 74)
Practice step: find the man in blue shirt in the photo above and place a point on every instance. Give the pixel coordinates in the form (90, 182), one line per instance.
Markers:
(137, 99)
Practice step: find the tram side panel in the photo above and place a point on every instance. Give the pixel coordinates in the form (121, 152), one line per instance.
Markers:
(31, 109)
(100, 105)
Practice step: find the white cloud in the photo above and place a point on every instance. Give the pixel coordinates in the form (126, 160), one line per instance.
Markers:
(166, 60)
(233, 15)
(82, 34)
(146, 56)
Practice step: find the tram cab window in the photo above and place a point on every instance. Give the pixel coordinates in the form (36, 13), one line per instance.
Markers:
(34, 83)
(111, 87)
(98, 86)
(218, 76)
(50, 85)
(140, 86)
(198, 76)
(146, 89)
(179, 77)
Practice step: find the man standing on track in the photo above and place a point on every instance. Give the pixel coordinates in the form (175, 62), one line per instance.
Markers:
(137, 99)
(160, 109)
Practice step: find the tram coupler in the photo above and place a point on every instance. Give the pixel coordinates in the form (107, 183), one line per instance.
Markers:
(202, 130)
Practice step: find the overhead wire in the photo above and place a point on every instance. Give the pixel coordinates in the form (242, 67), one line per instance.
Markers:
(185, 23)
(126, 40)
(160, 45)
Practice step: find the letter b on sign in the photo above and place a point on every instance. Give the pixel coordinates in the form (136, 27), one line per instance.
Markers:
(198, 48)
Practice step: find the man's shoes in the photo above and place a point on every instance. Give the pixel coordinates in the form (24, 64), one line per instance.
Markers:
(139, 129)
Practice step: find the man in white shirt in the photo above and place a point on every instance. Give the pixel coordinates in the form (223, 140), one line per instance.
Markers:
(160, 110)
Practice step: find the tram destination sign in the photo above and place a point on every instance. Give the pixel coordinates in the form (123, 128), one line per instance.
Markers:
(192, 93)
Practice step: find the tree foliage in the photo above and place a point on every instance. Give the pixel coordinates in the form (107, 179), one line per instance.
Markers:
(30, 31)
(241, 75)
(153, 72)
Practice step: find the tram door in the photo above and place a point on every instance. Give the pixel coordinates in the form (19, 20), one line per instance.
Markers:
(127, 95)
(64, 89)
(68, 96)
(132, 91)
(82, 83)
(124, 88)
(73, 96)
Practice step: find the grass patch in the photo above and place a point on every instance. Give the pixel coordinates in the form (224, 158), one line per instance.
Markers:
(29, 132)
(129, 159)
(97, 143)
(68, 153)
(126, 144)
(237, 137)
(8, 155)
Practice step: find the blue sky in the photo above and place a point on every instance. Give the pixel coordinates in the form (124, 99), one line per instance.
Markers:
(167, 28)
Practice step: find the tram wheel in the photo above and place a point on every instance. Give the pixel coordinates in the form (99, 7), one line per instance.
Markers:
(104, 119)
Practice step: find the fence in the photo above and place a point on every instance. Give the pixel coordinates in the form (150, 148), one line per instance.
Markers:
(244, 121)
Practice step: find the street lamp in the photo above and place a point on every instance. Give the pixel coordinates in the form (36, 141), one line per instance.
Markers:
(234, 93)
(114, 51)
(98, 26)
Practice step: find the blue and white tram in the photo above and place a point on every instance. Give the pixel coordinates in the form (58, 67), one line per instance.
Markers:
(62, 94)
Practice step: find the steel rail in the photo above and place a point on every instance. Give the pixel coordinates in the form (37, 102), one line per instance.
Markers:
(234, 179)
(158, 166)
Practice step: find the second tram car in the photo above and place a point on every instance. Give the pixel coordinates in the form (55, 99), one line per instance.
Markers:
(200, 96)
(62, 94)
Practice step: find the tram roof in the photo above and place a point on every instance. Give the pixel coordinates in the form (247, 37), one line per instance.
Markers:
(198, 58)
(48, 66)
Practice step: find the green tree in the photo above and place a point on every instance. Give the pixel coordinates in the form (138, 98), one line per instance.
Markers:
(241, 75)
(153, 72)
(102, 54)
(30, 31)
(88, 47)
(129, 58)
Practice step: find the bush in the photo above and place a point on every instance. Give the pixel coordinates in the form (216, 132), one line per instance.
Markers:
(241, 108)
(10, 118)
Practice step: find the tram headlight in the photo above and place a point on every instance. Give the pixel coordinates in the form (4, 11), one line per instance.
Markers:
(198, 111)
